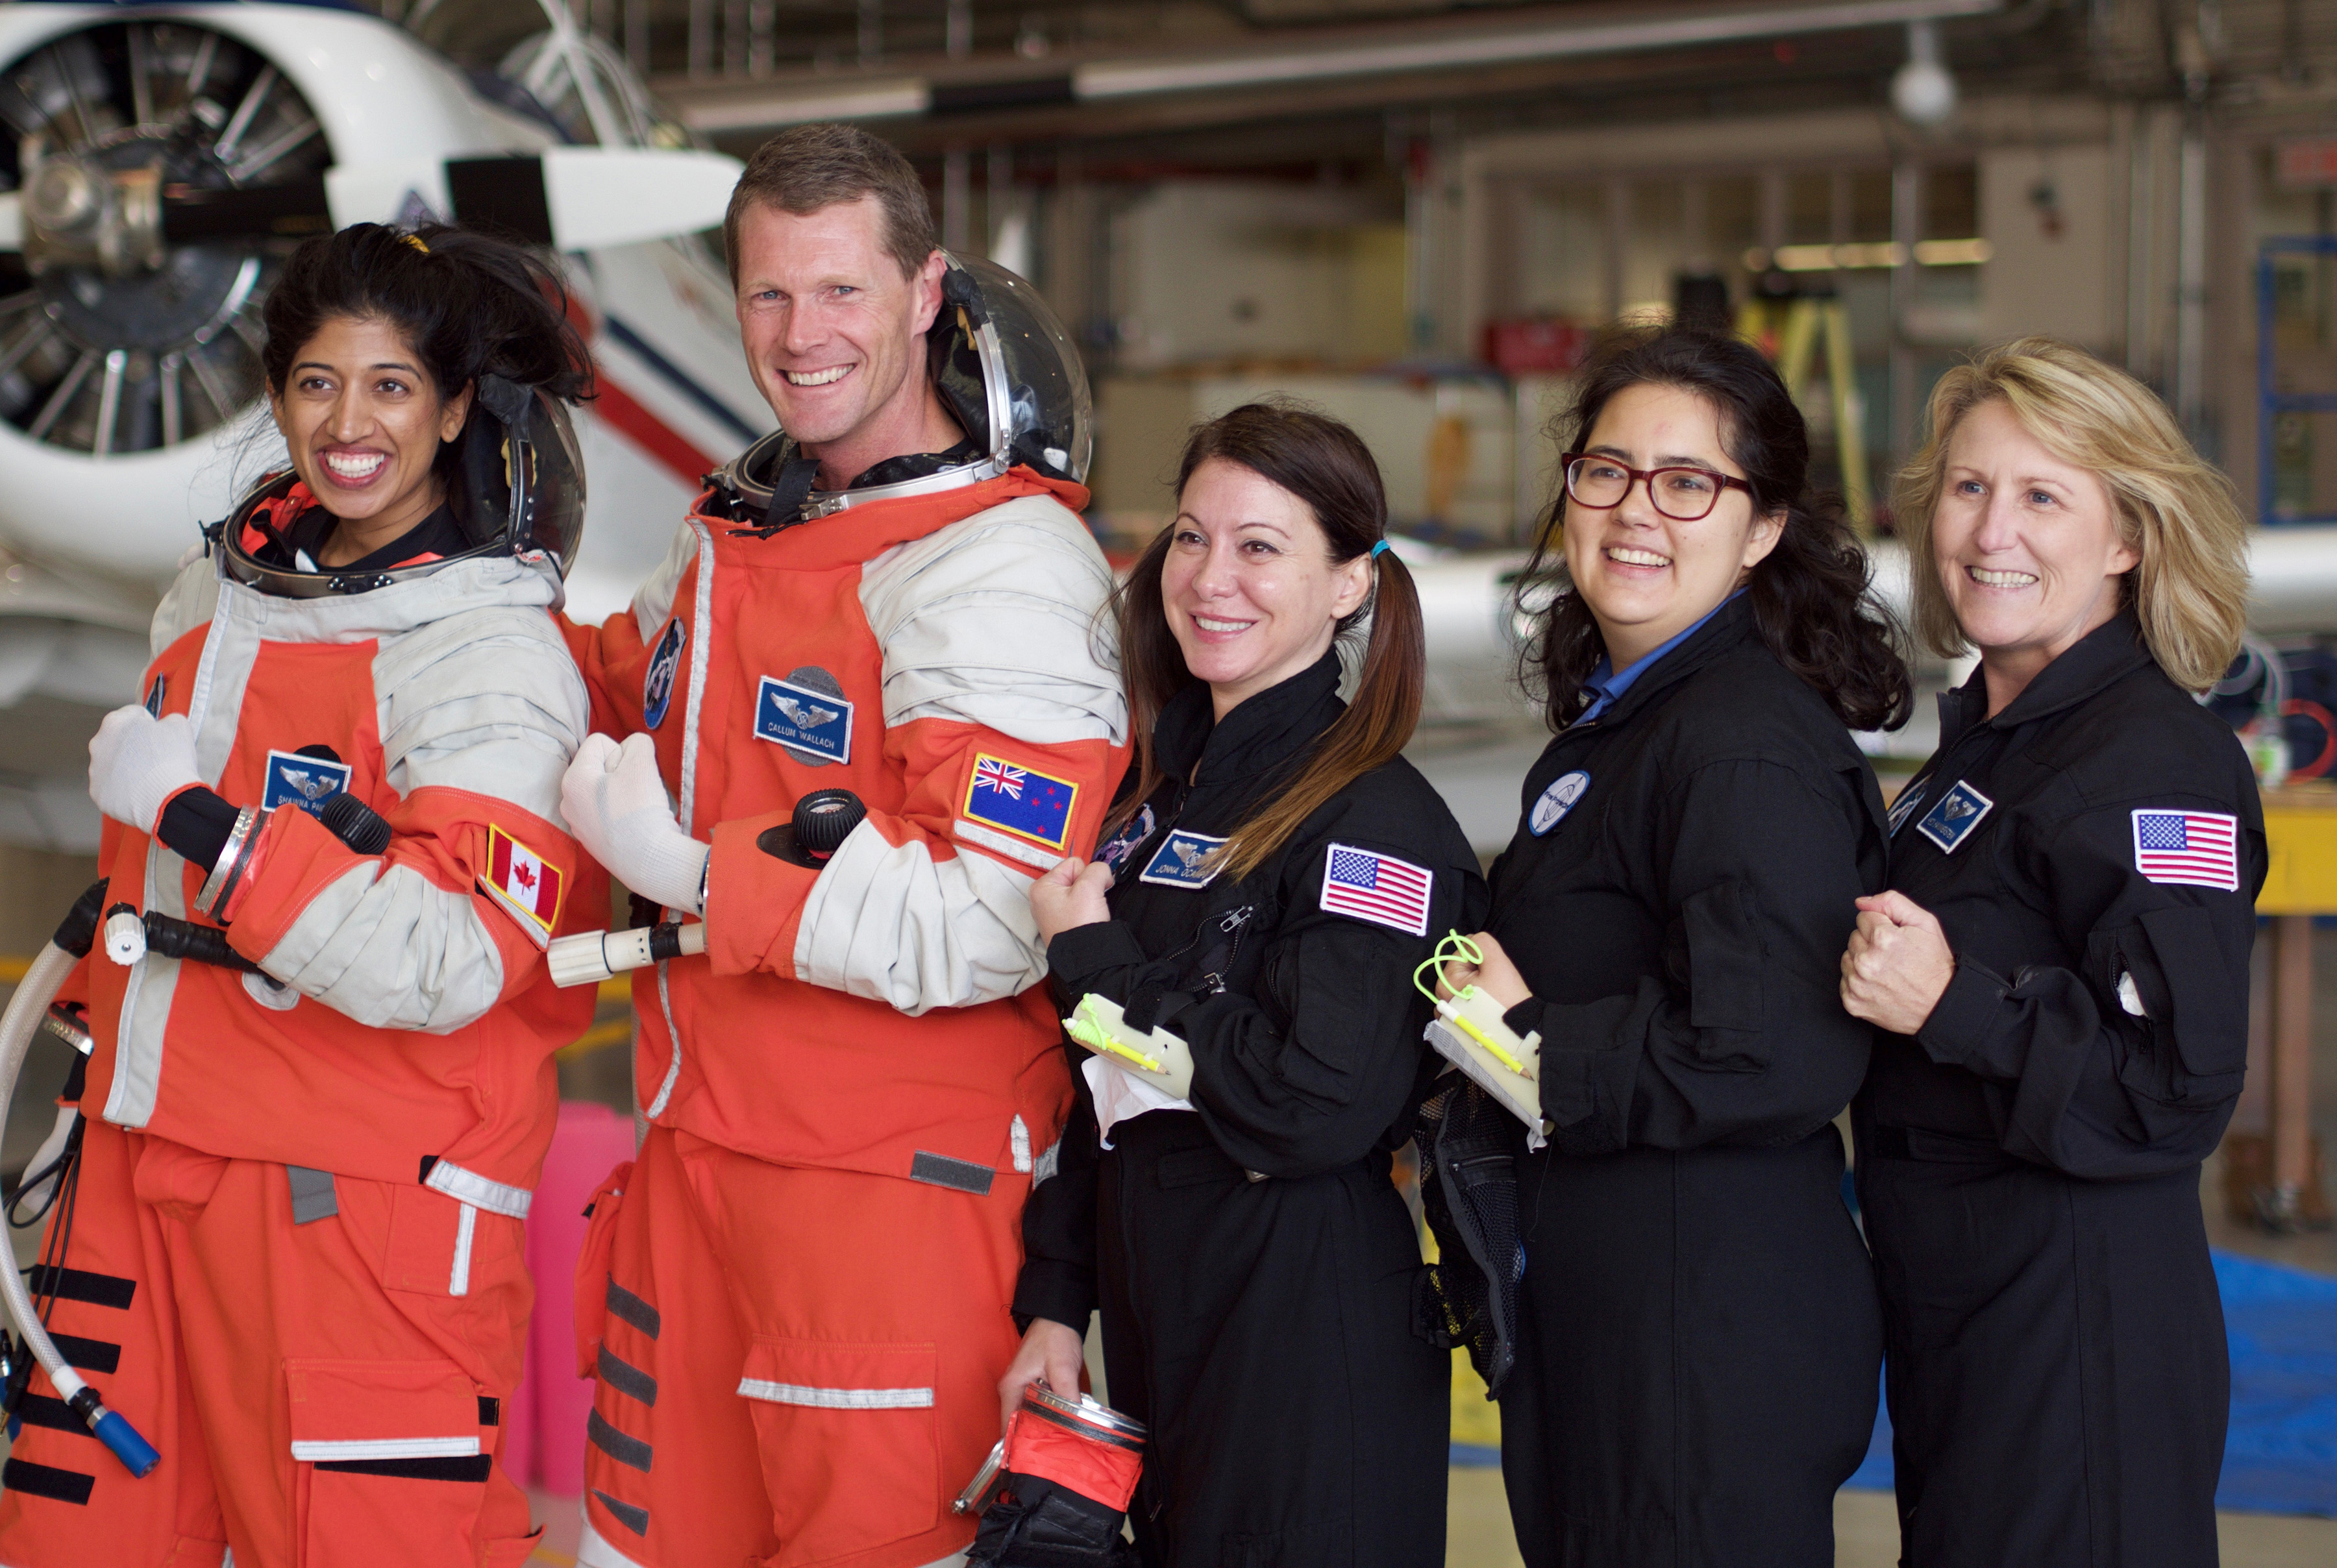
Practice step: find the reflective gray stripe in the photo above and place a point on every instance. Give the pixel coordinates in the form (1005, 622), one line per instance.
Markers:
(472, 1188)
(1018, 1139)
(330, 1452)
(313, 1197)
(637, 1519)
(701, 652)
(656, 1107)
(943, 1172)
(836, 1398)
(458, 1279)
(701, 644)
(627, 1379)
(632, 1309)
(616, 1445)
(1044, 1166)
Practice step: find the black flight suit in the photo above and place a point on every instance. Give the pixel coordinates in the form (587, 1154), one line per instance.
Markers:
(1254, 1263)
(2028, 1163)
(1698, 1339)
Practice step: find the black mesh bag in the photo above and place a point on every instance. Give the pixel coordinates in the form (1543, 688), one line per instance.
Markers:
(1468, 1186)
(1036, 1522)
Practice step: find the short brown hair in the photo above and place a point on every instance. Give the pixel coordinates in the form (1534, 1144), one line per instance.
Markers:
(2177, 509)
(809, 167)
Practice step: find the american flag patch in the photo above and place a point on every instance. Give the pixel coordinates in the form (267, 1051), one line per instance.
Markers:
(2200, 848)
(1377, 887)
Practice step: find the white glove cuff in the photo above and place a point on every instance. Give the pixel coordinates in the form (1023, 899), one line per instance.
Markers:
(670, 867)
(146, 791)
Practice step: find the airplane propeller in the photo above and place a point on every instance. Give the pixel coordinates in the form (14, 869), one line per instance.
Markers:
(163, 170)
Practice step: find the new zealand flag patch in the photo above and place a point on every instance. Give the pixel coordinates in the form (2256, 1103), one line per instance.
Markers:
(656, 686)
(1020, 800)
(306, 782)
(804, 719)
(1188, 859)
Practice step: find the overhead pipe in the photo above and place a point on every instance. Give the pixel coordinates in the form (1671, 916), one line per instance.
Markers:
(1386, 52)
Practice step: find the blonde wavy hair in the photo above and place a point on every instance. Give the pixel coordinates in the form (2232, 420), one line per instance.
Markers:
(2178, 510)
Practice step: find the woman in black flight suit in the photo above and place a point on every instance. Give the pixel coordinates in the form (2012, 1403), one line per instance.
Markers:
(2062, 967)
(1697, 1339)
(1273, 881)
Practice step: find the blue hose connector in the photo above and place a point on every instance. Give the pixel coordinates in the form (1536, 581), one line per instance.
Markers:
(128, 1446)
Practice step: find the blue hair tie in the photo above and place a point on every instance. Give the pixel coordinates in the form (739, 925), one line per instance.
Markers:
(1376, 549)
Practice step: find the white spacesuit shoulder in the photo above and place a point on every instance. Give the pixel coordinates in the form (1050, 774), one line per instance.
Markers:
(998, 620)
(187, 603)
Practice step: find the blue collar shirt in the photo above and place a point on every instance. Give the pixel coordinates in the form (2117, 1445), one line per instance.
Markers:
(1607, 684)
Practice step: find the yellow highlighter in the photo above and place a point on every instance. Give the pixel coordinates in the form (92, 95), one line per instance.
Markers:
(1158, 1056)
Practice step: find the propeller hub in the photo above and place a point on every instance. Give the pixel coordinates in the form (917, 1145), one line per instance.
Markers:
(78, 213)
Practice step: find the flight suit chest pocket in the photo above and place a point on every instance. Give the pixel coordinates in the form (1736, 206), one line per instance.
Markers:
(1721, 926)
(394, 1460)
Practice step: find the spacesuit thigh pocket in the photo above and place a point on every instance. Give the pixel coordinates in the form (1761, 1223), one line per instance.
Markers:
(396, 1471)
(847, 1435)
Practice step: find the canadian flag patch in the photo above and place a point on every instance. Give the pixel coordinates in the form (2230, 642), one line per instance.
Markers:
(523, 883)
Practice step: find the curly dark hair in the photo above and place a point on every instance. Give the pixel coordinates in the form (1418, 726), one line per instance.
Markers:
(1809, 594)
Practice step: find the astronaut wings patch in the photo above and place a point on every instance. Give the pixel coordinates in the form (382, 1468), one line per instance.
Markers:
(526, 884)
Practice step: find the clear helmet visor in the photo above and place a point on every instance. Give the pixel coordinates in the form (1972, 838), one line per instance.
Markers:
(1010, 372)
(515, 482)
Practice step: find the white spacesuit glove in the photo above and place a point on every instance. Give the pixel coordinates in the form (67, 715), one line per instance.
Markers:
(138, 761)
(617, 807)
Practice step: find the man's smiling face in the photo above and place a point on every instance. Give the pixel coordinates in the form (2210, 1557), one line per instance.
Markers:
(834, 334)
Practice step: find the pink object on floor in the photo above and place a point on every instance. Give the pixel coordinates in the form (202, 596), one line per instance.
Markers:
(590, 1141)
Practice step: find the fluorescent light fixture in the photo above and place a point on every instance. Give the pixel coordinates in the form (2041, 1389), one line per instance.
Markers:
(1134, 78)
(859, 101)
(1865, 257)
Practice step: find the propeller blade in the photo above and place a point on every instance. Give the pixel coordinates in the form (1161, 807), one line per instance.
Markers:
(624, 195)
(569, 198)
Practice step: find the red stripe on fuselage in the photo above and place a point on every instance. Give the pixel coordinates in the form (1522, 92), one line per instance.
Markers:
(648, 431)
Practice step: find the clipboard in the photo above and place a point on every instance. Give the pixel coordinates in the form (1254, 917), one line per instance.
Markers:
(1468, 1032)
(1158, 1057)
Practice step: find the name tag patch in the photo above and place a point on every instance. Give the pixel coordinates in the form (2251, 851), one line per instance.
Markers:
(525, 883)
(306, 782)
(1367, 886)
(656, 686)
(814, 725)
(1557, 800)
(1125, 843)
(1187, 859)
(1950, 822)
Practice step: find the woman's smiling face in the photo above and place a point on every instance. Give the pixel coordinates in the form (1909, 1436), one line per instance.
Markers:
(1646, 577)
(1251, 593)
(364, 423)
(2026, 544)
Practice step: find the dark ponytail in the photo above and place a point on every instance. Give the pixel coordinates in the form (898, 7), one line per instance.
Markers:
(468, 304)
(1328, 466)
(1809, 594)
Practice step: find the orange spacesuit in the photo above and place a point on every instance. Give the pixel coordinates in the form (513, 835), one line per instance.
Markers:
(295, 1254)
(797, 1299)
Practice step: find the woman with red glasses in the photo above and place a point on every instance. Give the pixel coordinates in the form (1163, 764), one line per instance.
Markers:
(1689, 1307)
